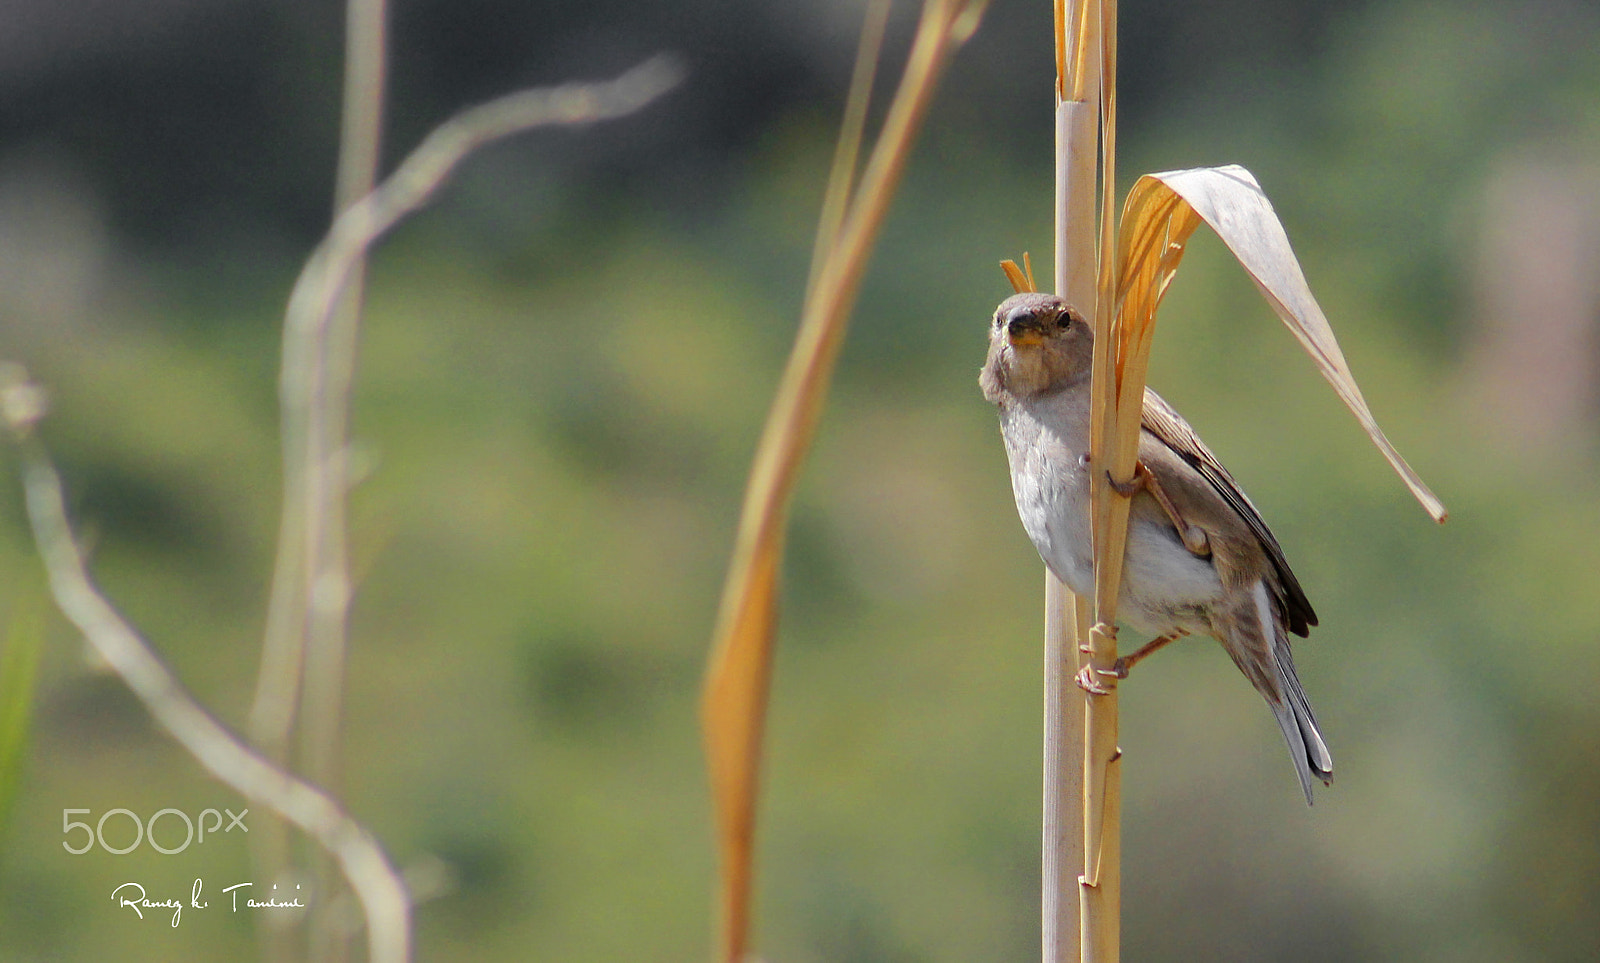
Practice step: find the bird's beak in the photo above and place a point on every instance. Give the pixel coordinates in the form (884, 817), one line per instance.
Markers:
(1024, 333)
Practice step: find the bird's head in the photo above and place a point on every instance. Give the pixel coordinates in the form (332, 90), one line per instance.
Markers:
(1037, 343)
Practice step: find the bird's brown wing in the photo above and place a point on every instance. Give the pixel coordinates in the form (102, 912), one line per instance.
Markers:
(1167, 425)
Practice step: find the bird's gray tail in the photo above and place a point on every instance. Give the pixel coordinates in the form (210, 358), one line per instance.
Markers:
(1299, 725)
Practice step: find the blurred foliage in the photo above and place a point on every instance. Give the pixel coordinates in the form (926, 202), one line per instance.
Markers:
(564, 370)
(19, 663)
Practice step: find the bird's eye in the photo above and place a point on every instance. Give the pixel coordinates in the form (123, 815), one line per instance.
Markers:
(1064, 321)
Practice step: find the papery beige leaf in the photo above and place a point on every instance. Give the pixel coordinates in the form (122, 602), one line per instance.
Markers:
(1161, 207)
(1155, 226)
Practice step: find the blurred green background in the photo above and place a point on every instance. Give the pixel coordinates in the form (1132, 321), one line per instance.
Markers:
(565, 365)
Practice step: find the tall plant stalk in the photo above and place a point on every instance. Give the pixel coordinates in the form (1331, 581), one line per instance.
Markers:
(1100, 886)
(1076, 268)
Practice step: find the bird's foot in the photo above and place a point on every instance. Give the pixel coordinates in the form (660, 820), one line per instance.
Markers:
(1088, 677)
(1194, 537)
(1087, 682)
(1134, 485)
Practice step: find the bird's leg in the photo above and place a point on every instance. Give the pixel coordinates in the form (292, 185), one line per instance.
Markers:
(1193, 536)
(1119, 669)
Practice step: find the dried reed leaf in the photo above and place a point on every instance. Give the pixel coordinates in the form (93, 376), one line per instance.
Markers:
(733, 705)
(1150, 242)
(733, 714)
(1059, 9)
(1109, 429)
(846, 151)
(1021, 279)
(1229, 199)
(1114, 430)
(1074, 57)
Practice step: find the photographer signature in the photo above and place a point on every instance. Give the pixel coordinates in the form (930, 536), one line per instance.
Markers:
(134, 897)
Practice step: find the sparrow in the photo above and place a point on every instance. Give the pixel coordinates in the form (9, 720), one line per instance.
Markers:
(1199, 558)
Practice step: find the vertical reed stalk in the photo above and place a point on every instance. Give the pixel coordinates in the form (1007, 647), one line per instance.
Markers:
(1100, 888)
(1076, 130)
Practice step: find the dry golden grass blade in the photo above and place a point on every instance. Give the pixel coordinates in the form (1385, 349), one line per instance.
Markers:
(734, 715)
(1110, 514)
(733, 707)
(1150, 243)
(1021, 278)
(1230, 200)
(1059, 8)
(1074, 81)
(841, 176)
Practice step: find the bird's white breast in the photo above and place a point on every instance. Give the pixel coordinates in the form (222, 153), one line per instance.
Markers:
(1164, 586)
(1045, 444)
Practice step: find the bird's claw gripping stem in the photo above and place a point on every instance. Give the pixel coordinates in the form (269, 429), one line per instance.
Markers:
(1193, 536)
(1088, 677)
(1087, 682)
